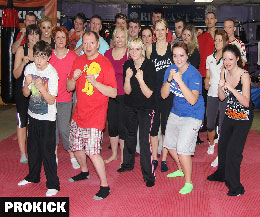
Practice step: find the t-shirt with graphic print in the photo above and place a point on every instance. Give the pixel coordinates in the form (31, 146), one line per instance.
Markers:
(91, 107)
(193, 80)
(38, 107)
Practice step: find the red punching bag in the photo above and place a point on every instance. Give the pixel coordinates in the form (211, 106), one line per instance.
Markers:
(9, 31)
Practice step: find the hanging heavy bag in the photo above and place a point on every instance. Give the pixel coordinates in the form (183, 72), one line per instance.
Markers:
(9, 31)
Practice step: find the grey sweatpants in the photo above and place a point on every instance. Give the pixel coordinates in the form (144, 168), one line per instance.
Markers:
(63, 123)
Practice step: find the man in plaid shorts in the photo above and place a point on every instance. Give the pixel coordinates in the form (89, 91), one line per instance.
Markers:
(93, 77)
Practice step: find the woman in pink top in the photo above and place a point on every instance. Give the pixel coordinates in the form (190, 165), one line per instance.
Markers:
(62, 60)
(116, 127)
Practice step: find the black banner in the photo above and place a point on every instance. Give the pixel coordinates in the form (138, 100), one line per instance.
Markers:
(34, 206)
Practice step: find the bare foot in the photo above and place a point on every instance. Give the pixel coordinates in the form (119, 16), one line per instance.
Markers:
(110, 159)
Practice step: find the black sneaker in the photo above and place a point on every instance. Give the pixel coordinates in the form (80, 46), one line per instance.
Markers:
(164, 167)
(150, 183)
(155, 164)
(124, 169)
(236, 193)
(79, 177)
(216, 177)
(102, 193)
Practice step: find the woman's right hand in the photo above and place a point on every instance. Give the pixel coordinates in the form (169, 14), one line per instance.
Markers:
(221, 83)
(172, 72)
(129, 73)
(25, 60)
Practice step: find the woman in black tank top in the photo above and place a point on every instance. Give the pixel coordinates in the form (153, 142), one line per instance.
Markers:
(23, 56)
(160, 53)
(237, 121)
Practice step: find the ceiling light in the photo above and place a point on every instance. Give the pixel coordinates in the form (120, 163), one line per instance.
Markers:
(203, 1)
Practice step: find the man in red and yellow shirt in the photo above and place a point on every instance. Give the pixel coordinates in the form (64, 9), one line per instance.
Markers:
(93, 77)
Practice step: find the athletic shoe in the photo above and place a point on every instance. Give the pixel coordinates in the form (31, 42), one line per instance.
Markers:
(102, 193)
(155, 164)
(177, 173)
(216, 177)
(23, 182)
(79, 177)
(215, 162)
(124, 169)
(186, 189)
(150, 183)
(211, 149)
(234, 193)
(74, 163)
(51, 192)
(164, 167)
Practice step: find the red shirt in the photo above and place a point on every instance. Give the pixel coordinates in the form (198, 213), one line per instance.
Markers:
(206, 47)
(63, 67)
(73, 41)
(24, 38)
(91, 110)
(169, 36)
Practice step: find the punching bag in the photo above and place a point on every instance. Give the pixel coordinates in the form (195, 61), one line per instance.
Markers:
(9, 31)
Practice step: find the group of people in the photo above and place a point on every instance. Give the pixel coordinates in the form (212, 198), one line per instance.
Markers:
(140, 79)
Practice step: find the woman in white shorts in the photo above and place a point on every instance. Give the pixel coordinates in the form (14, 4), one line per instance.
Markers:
(185, 81)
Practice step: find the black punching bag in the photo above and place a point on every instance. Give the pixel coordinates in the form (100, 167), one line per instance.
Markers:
(9, 31)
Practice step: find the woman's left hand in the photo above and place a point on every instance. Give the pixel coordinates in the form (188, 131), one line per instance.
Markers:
(228, 86)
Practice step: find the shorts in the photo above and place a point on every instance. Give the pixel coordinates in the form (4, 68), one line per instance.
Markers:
(89, 139)
(181, 134)
(22, 104)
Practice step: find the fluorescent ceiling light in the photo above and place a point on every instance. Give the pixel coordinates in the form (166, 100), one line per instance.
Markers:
(203, 1)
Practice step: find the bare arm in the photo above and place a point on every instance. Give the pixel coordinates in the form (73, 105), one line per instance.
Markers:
(71, 83)
(127, 84)
(18, 42)
(165, 91)
(102, 88)
(207, 79)
(19, 62)
(79, 49)
(144, 88)
(191, 96)
(221, 94)
(50, 99)
(27, 81)
(244, 97)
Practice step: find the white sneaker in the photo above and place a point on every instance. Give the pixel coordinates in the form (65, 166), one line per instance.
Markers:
(75, 163)
(51, 192)
(215, 162)
(23, 182)
(211, 149)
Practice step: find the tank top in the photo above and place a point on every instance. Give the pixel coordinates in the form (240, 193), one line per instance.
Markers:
(234, 109)
(161, 64)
